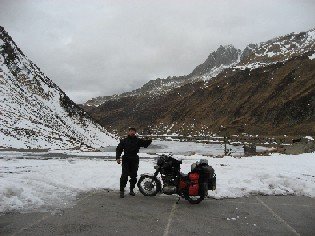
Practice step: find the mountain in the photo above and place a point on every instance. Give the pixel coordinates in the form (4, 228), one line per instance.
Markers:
(268, 88)
(35, 112)
(223, 57)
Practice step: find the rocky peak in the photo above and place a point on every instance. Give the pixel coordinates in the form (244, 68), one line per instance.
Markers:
(224, 55)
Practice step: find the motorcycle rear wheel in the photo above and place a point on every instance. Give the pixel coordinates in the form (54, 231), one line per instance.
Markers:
(148, 185)
(194, 199)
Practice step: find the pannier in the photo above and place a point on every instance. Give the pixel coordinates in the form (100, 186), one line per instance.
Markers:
(194, 183)
(207, 175)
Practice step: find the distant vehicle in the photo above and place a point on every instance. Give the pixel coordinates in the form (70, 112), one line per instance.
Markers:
(193, 186)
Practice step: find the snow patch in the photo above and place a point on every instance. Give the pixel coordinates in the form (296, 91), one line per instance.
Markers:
(34, 184)
(312, 57)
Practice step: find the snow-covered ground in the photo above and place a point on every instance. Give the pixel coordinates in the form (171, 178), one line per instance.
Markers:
(191, 148)
(47, 181)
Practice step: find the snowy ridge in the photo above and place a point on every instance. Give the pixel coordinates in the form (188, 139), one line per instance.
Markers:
(36, 113)
(153, 88)
(224, 57)
(279, 49)
(216, 71)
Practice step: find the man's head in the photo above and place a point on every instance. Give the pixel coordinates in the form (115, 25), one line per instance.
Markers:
(132, 132)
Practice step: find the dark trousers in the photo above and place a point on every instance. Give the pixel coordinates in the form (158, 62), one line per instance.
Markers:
(130, 167)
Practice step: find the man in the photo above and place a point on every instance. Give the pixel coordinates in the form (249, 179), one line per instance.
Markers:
(130, 160)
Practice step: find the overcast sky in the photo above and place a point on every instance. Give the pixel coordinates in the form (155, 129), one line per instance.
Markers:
(93, 48)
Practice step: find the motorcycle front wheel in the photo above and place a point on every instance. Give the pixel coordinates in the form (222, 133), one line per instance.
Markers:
(149, 185)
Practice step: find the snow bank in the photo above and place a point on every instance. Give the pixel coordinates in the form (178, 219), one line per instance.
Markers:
(270, 175)
(36, 184)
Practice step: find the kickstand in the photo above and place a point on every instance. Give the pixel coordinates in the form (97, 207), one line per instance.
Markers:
(178, 200)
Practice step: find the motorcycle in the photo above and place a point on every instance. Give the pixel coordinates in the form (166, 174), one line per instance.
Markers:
(193, 186)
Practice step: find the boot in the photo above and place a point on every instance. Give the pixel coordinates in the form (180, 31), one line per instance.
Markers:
(132, 193)
(122, 193)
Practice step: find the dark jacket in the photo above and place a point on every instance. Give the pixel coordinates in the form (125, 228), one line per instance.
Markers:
(130, 146)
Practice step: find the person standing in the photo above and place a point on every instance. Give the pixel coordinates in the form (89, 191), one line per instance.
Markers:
(130, 160)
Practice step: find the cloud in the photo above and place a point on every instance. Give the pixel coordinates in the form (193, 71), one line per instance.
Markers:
(93, 48)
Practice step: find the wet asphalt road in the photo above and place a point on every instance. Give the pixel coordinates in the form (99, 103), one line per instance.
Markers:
(104, 213)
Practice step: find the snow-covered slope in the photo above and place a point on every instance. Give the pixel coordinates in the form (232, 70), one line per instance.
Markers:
(35, 112)
(279, 49)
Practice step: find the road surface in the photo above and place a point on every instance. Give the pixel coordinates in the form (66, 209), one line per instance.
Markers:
(104, 213)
